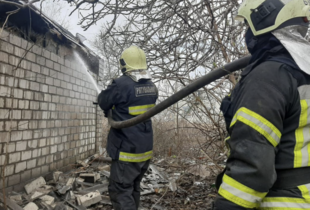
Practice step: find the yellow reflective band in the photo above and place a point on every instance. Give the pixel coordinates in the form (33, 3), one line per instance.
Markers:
(302, 135)
(137, 110)
(258, 123)
(304, 189)
(131, 157)
(285, 203)
(240, 194)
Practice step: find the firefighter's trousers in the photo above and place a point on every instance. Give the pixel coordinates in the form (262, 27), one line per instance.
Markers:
(124, 186)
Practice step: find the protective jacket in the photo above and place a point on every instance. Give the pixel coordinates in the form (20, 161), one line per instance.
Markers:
(128, 99)
(268, 120)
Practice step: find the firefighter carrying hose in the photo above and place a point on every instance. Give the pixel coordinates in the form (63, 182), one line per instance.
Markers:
(130, 148)
(268, 113)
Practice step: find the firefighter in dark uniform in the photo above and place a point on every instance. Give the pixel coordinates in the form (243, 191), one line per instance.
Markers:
(130, 148)
(268, 113)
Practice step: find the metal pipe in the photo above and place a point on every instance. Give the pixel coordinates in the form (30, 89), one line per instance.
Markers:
(199, 83)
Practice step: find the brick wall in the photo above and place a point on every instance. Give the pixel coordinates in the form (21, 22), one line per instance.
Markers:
(46, 111)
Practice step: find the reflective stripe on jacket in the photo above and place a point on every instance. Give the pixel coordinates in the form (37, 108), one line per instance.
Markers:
(129, 99)
(268, 121)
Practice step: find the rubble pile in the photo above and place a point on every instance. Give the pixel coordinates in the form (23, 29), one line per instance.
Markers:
(168, 184)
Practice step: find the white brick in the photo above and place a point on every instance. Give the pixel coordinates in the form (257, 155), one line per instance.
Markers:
(33, 124)
(23, 84)
(16, 135)
(9, 170)
(26, 155)
(35, 105)
(2, 159)
(41, 161)
(44, 88)
(16, 114)
(4, 113)
(42, 142)
(47, 97)
(11, 148)
(27, 134)
(33, 144)
(53, 149)
(20, 167)
(45, 151)
(26, 114)
(21, 146)
(23, 125)
(34, 86)
(28, 95)
(36, 153)
(1, 102)
(31, 164)
(14, 157)
(36, 68)
(31, 206)
(34, 185)
(23, 104)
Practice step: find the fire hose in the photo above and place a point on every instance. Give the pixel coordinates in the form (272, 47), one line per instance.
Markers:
(187, 90)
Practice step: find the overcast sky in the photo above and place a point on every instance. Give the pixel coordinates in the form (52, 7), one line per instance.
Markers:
(50, 7)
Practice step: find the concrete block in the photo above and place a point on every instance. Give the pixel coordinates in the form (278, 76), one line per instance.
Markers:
(36, 152)
(14, 157)
(56, 175)
(15, 40)
(46, 53)
(26, 155)
(33, 144)
(39, 96)
(49, 80)
(47, 97)
(27, 115)
(23, 104)
(56, 66)
(16, 135)
(9, 170)
(49, 64)
(35, 184)
(4, 113)
(54, 57)
(31, 57)
(14, 179)
(27, 134)
(31, 206)
(7, 47)
(41, 60)
(4, 57)
(31, 164)
(36, 195)
(36, 172)
(44, 88)
(34, 105)
(22, 125)
(16, 114)
(34, 86)
(41, 161)
(49, 200)
(20, 167)
(28, 95)
(35, 67)
(19, 52)
(89, 199)
(42, 142)
(45, 71)
(21, 145)
(6, 69)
